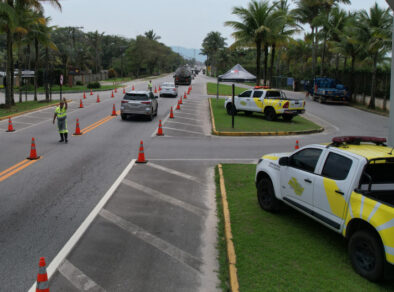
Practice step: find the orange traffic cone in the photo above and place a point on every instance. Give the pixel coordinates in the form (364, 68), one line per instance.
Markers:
(124, 90)
(42, 277)
(98, 98)
(297, 146)
(91, 92)
(112, 95)
(133, 88)
(77, 129)
(180, 101)
(184, 96)
(114, 111)
(159, 88)
(10, 127)
(84, 95)
(155, 90)
(178, 106)
(80, 103)
(171, 114)
(160, 130)
(116, 90)
(33, 151)
(141, 154)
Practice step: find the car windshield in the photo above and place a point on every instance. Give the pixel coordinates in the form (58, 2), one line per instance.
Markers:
(136, 96)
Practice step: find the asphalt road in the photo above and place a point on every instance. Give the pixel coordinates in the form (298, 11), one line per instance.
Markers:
(45, 203)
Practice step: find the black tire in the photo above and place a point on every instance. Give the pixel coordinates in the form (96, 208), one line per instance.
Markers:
(248, 113)
(266, 195)
(287, 118)
(367, 255)
(270, 114)
(157, 109)
(123, 116)
(150, 117)
(230, 109)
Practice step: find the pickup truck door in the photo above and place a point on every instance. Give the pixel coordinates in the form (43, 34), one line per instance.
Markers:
(297, 179)
(243, 100)
(332, 188)
(256, 104)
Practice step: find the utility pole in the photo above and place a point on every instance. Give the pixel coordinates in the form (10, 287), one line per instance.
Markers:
(391, 119)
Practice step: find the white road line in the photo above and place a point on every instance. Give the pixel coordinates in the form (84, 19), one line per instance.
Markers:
(174, 172)
(187, 124)
(163, 246)
(189, 113)
(324, 121)
(78, 279)
(186, 131)
(197, 120)
(196, 210)
(252, 160)
(63, 253)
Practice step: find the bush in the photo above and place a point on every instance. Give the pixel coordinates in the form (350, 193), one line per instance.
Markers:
(78, 83)
(112, 73)
(94, 85)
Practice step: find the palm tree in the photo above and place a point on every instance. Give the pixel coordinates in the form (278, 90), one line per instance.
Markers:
(211, 45)
(256, 23)
(151, 35)
(374, 31)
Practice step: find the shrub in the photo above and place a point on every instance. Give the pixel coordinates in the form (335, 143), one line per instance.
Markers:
(78, 83)
(94, 85)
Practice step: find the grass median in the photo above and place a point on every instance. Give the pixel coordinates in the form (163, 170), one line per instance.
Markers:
(256, 122)
(224, 90)
(285, 251)
(24, 107)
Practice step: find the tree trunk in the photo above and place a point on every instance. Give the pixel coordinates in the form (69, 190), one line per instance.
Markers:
(46, 74)
(352, 78)
(265, 63)
(258, 57)
(323, 57)
(20, 73)
(373, 85)
(35, 69)
(28, 67)
(272, 62)
(336, 65)
(313, 53)
(9, 90)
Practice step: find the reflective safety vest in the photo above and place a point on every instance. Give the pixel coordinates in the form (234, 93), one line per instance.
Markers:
(150, 85)
(61, 112)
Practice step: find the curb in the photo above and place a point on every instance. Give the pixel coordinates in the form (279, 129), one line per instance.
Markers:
(282, 133)
(32, 110)
(231, 257)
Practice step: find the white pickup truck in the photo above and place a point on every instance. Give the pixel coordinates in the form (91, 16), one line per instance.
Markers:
(348, 186)
(271, 102)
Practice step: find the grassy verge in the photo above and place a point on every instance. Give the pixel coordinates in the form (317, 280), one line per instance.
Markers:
(24, 106)
(256, 122)
(286, 251)
(364, 107)
(223, 89)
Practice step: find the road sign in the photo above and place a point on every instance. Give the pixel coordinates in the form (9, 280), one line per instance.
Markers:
(61, 79)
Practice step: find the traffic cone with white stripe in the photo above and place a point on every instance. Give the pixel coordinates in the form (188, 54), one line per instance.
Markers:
(124, 90)
(180, 101)
(171, 114)
(112, 95)
(184, 96)
(133, 88)
(297, 146)
(77, 129)
(160, 130)
(80, 103)
(114, 114)
(141, 154)
(33, 151)
(178, 106)
(42, 277)
(10, 127)
(98, 98)
(84, 95)
(116, 90)
(155, 90)
(91, 92)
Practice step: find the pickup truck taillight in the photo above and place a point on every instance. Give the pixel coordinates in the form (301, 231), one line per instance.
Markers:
(124, 101)
(145, 102)
(174, 89)
(286, 105)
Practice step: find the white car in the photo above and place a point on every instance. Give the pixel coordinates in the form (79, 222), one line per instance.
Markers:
(168, 89)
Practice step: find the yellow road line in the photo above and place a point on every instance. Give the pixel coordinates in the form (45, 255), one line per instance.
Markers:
(15, 169)
(234, 286)
(98, 123)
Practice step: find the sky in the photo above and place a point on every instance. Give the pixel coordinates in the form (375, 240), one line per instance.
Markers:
(179, 22)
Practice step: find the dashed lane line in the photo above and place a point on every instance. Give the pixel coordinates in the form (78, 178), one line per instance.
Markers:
(78, 279)
(196, 210)
(163, 246)
(174, 172)
(186, 131)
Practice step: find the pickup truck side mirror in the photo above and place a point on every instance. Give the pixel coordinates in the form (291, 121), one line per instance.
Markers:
(284, 161)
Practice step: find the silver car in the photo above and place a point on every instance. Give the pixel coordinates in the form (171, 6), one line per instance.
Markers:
(168, 89)
(139, 103)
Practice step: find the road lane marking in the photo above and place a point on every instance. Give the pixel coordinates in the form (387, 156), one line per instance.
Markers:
(78, 279)
(66, 249)
(251, 160)
(324, 121)
(15, 169)
(196, 210)
(187, 124)
(186, 131)
(197, 120)
(98, 123)
(163, 246)
(173, 171)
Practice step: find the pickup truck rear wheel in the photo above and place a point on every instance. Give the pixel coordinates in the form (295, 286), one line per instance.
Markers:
(230, 109)
(366, 255)
(266, 195)
(270, 114)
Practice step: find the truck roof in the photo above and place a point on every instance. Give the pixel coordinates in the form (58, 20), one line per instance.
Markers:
(368, 151)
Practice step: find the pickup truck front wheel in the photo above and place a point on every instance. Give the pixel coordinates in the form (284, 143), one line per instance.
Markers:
(366, 255)
(231, 109)
(270, 114)
(266, 195)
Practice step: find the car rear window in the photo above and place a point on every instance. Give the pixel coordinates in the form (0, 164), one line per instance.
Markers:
(135, 96)
(275, 94)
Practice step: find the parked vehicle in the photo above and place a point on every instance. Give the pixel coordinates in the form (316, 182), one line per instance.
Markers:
(139, 103)
(272, 103)
(348, 186)
(168, 89)
(183, 76)
(327, 90)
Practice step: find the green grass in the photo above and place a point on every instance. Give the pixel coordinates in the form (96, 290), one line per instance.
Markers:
(256, 122)
(224, 89)
(24, 106)
(285, 251)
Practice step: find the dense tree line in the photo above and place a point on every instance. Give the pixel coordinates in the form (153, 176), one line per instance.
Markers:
(336, 42)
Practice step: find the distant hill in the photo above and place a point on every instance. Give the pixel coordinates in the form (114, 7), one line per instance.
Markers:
(189, 53)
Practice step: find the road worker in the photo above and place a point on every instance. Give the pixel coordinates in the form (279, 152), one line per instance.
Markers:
(61, 115)
(150, 86)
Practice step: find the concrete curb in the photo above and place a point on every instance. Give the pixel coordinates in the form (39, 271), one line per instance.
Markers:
(32, 110)
(282, 133)
(234, 285)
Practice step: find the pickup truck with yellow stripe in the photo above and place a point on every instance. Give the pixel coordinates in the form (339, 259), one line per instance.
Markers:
(271, 102)
(348, 186)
